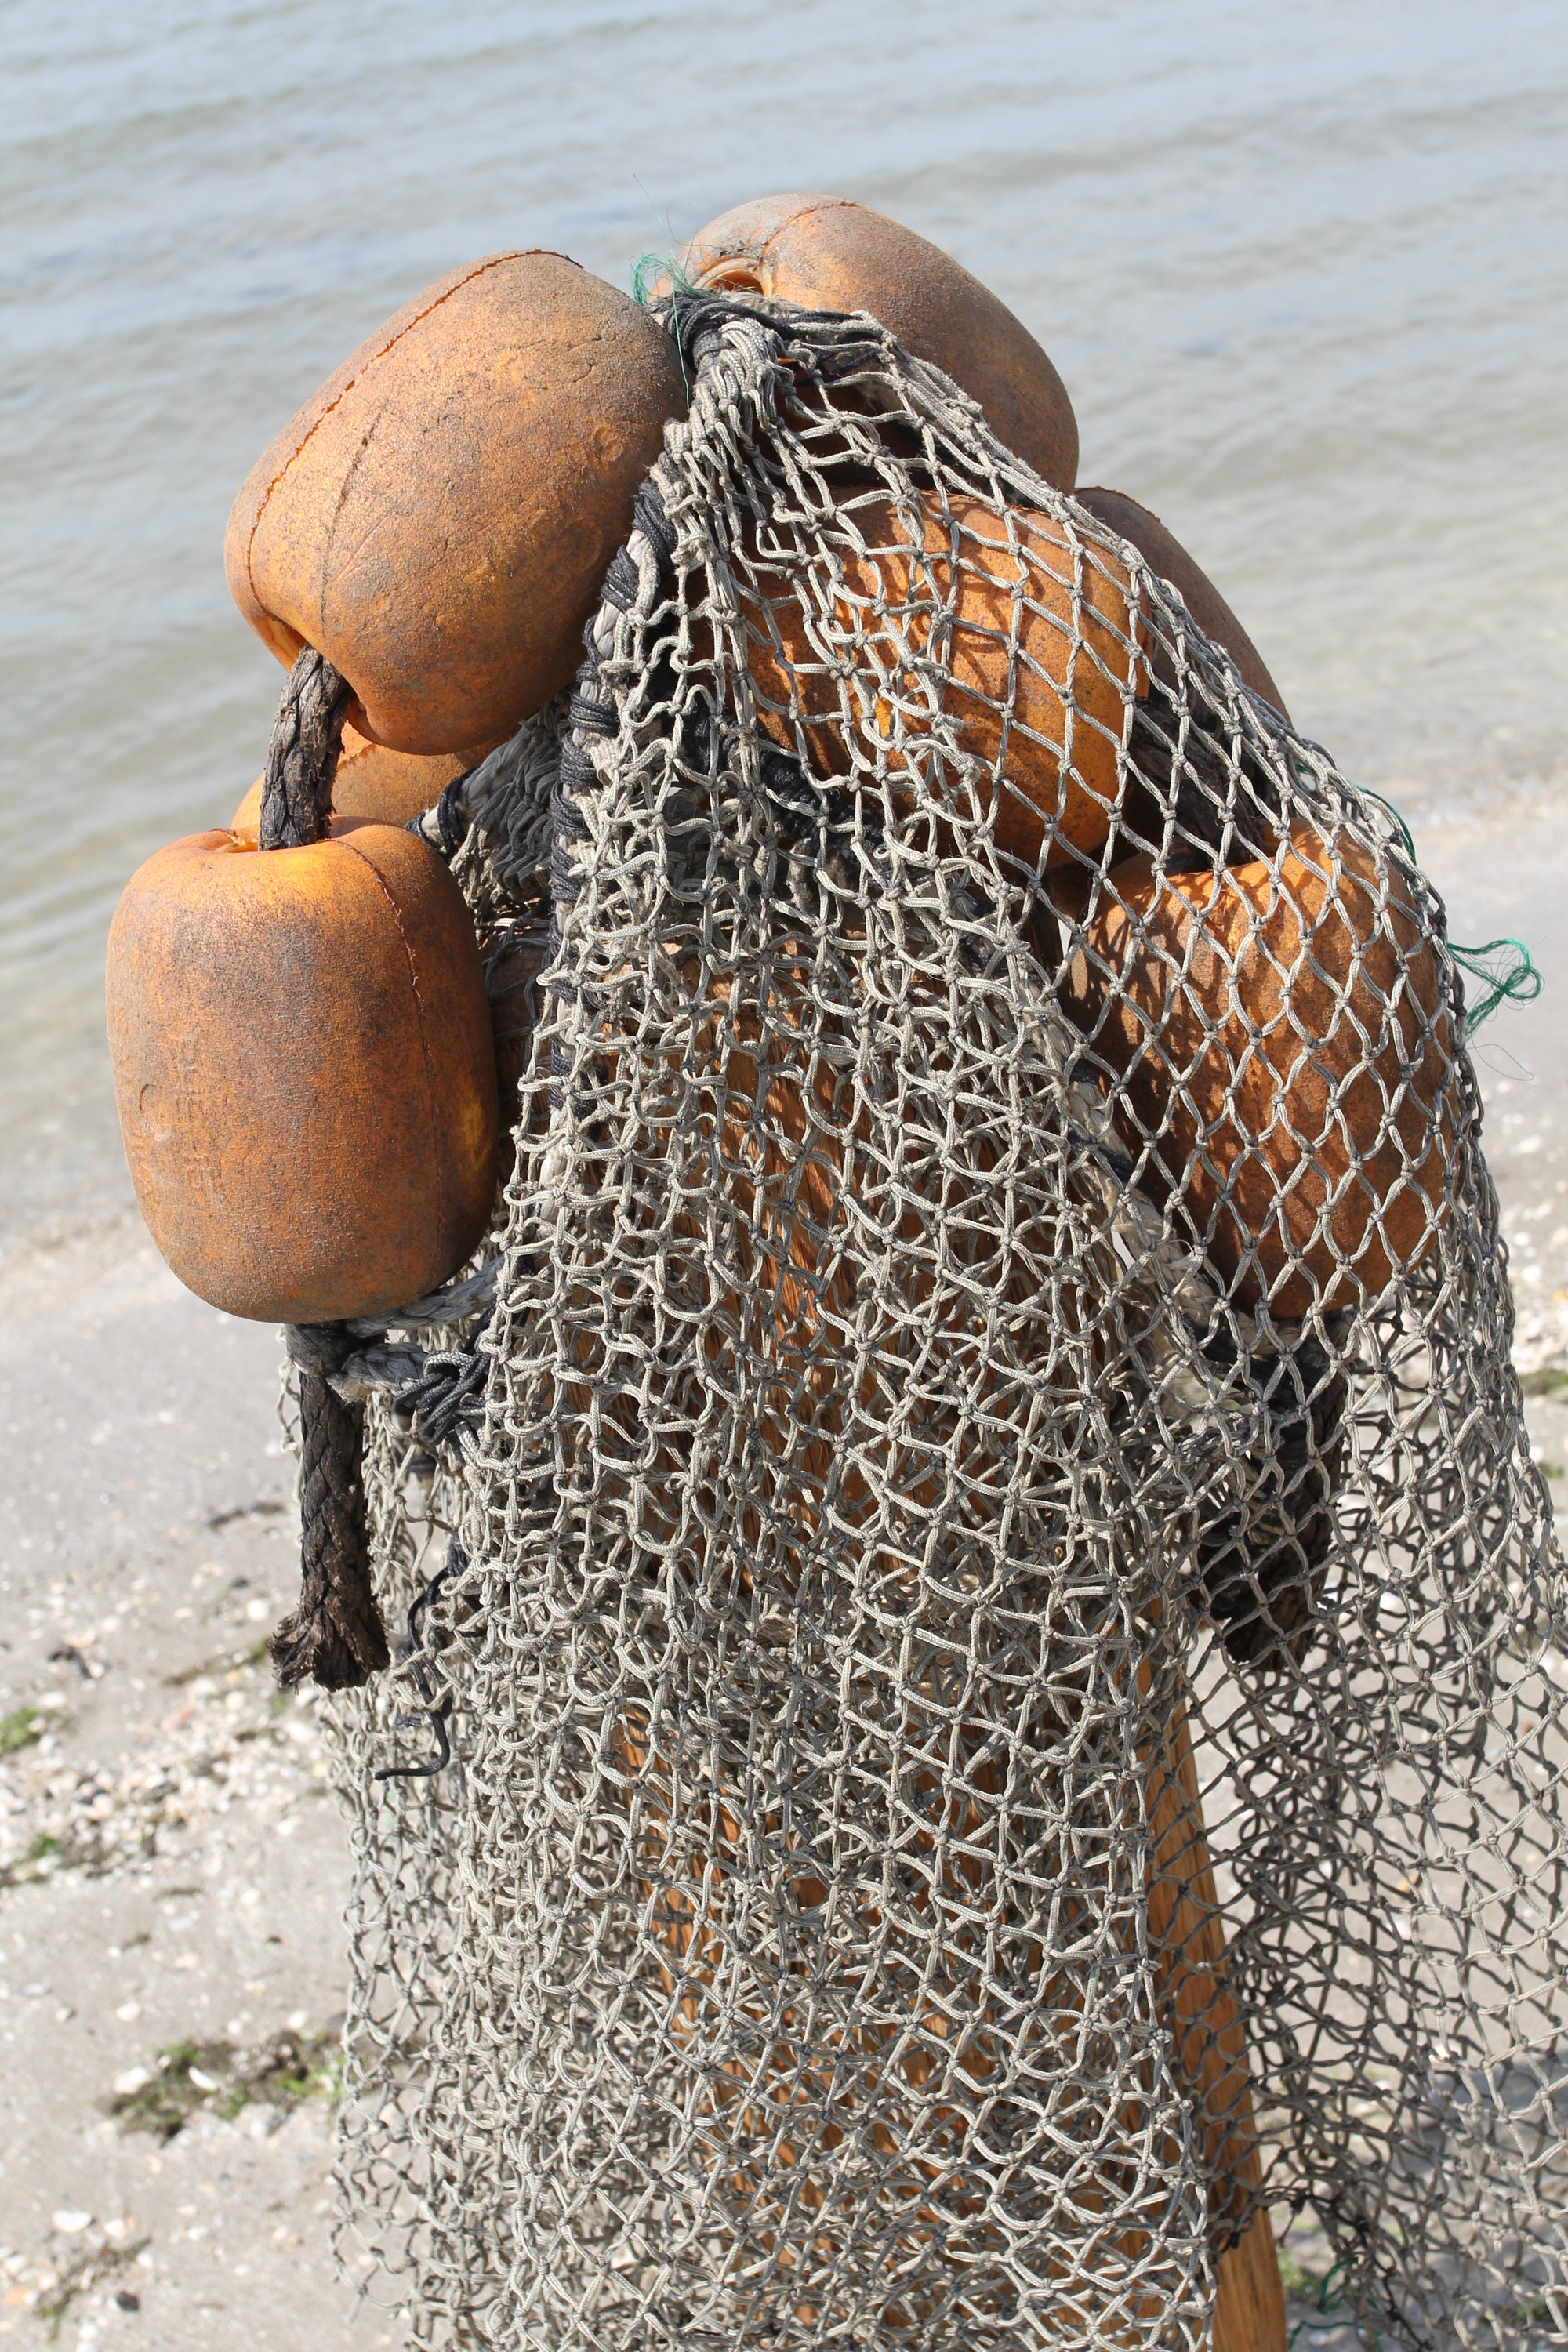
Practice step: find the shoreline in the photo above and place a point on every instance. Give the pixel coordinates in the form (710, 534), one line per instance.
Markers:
(170, 1870)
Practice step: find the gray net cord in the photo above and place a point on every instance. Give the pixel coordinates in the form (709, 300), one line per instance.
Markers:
(979, 1750)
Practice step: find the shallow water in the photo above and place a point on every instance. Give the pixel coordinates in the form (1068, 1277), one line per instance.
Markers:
(1303, 272)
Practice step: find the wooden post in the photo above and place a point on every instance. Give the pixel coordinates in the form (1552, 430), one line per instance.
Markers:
(1187, 1934)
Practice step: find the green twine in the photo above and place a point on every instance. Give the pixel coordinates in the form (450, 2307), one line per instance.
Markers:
(1512, 975)
(1503, 967)
(1332, 2314)
(647, 269)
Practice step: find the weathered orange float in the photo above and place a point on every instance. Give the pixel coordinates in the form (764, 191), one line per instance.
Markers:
(1168, 560)
(828, 254)
(302, 1063)
(1287, 1060)
(1038, 637)
(437, 518)
(381, 786)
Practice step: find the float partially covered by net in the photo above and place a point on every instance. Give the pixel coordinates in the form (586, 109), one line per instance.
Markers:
(981, 1691)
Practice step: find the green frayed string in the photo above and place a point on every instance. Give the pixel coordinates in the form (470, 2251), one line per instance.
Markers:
(650, 267)
(1512, 975)
(647, 270)
(1332, 2314)
(1503, 967)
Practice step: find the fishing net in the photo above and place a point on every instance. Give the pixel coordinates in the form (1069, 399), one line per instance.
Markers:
(983, 1684)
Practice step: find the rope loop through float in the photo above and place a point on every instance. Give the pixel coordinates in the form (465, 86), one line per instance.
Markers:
(334, 1637)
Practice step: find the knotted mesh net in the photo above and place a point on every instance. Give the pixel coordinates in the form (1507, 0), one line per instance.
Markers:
(982, 1691)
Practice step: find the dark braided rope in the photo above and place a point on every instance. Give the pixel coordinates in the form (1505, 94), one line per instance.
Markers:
(302, 757)
(335, 1637)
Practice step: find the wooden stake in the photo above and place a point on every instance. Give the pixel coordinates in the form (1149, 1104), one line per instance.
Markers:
(1187, 1934)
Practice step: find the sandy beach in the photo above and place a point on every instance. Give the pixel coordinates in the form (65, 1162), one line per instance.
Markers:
(172, 1865)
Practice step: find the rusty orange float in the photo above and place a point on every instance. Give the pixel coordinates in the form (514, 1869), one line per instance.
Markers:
(1008, 626)
(437, 518)
(1287, 1060)
(302, 1063)
(1168, 560)
(828, 254)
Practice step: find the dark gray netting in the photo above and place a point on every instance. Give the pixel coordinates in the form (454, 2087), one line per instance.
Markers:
(979, 1749)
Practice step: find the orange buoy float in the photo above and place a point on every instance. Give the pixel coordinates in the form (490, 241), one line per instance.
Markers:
(372, 782)
(1166, 556)
(437, 518)
(1037, 634)
(1286, 1057)
(829, 254)
(301, 1043)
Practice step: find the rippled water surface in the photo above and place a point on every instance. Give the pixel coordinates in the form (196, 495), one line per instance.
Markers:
(1303, 271)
